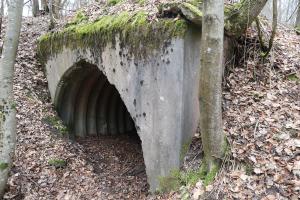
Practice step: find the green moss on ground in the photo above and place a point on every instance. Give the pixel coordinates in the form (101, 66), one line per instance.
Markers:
(113, 2)
(208, 176)
(293, 77)
(79, 18)
(141, 2)
(3, 166)
(178, 178)
(135, 33)
(58, 163)
(56, 123)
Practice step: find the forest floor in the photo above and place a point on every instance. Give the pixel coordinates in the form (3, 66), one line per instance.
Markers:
(261, 119)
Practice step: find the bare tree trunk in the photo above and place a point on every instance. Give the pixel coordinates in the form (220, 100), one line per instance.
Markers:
(298, 16)
(1, 15)
(44, 5)
(210, 85)
(35, 7)
(56, 8)
(50, 6)
(7, 105)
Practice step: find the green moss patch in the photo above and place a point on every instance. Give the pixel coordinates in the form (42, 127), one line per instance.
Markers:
(293, 77)
(178, 178)
(113, 2)
(58, 163)
(79, 18)
(57, 124)
(184, 149)
(135, 32)
(3, 165)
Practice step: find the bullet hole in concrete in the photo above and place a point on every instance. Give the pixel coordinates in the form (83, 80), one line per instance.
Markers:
(114, 70)
(134, 102)
(141, 82)
(121, 63)
(144, 114)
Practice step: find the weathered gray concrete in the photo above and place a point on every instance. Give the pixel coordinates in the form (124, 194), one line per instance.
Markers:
(159, 92)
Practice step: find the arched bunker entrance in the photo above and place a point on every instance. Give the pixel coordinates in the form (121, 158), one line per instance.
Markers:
(96, 116)
(89, 105)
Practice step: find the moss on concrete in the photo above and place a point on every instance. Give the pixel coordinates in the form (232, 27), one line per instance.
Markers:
(139, 36)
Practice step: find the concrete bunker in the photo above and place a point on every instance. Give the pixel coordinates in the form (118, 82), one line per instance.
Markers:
(156, 78)
(89, 105)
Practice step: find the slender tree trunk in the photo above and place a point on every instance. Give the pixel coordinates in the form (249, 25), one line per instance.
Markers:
(35, 7)
(7, 105)
(50, 6)
(56, 7)
(210, 85)
(1, 15)
(44, 5)
(298, 16)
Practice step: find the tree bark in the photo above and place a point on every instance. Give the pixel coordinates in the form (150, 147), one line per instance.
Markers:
(44, 4)
(1, 15)
(210, 85)
(35, 7)
(7, 105)
(297, 24)
(50, 6)
(56, 7)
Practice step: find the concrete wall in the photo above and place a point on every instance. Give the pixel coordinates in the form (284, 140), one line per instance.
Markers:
(160, 93)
